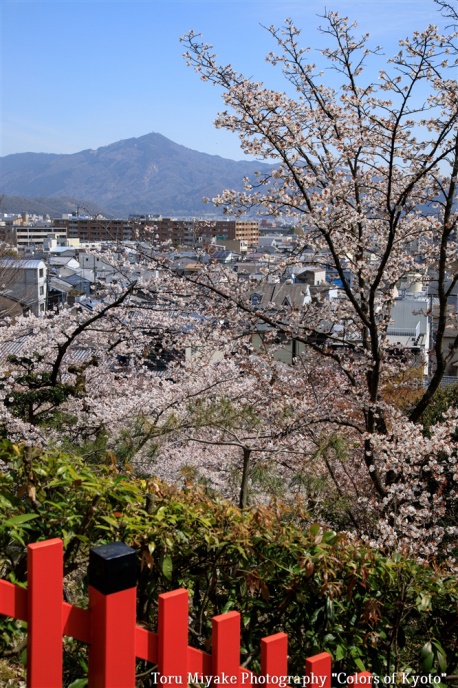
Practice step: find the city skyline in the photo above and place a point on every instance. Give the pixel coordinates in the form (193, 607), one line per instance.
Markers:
(79, 75)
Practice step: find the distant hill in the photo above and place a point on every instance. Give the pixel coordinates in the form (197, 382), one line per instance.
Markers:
(54, 207)
(149, 174)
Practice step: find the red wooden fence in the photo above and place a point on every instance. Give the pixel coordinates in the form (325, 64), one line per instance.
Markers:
(115, 641)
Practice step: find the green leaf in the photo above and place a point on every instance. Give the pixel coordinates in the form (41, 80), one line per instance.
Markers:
(438, 646)
(330, 609)
(428, 657)
(73, 473)
(360, 665)
(340, 653)
(110, 520)
(441, 655)
(17, 520)
(442, 660)
(79, 683)
(329, 538)
(12, 499)
(424, 602)
(167, 567)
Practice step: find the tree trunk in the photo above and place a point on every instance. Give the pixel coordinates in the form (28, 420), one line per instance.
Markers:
(243, 499)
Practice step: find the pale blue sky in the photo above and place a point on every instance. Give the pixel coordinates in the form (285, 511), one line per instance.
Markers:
(81, 74)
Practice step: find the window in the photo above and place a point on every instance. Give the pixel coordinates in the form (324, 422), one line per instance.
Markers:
(42, 291)
(256, 299)
(40, 272)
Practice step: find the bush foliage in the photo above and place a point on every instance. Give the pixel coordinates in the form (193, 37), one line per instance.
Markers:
(280, 571)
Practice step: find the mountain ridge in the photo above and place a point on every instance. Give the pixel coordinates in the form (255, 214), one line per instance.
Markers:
(147, 174)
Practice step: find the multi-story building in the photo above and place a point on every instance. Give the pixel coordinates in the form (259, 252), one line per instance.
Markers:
(25, 282)
(190, 232)
(30, 236)
(194, 231)
(95, 229)
(248, 230)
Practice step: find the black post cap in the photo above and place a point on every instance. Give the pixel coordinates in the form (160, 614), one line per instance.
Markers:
(112, 568)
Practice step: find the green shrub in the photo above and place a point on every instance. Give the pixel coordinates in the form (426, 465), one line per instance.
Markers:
(327, 592)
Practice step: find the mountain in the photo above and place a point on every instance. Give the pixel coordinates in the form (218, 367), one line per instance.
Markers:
(149, 174)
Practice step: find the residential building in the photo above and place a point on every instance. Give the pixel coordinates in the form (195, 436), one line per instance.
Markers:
(236, 245)
(410, 328)
(30, 236)
(95, 229)
(25, 282)
(89, 261)
(188, 232)
(193, 232)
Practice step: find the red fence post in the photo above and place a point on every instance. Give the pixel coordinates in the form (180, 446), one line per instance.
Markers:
(172, 643)
(226, 648)
(364, 678)
(45, 568)
(274, 657)
(112, 606)
(319, 667)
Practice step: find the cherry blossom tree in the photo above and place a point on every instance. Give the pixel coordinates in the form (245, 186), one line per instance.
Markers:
(369, 172)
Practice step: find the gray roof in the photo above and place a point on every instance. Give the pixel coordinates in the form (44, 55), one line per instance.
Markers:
(62, 249)
(63, 260)
(23, 264)
(75, 279)
(291, 295)
(60, 284)
(15, 347)
(11, 348)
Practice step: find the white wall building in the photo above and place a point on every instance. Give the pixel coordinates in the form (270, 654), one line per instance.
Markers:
(410, 327)
(25, 281)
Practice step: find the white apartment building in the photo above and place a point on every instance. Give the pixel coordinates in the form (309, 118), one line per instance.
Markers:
(25, 282)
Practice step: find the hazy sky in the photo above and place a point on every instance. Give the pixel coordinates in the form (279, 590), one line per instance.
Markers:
(80, 74)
